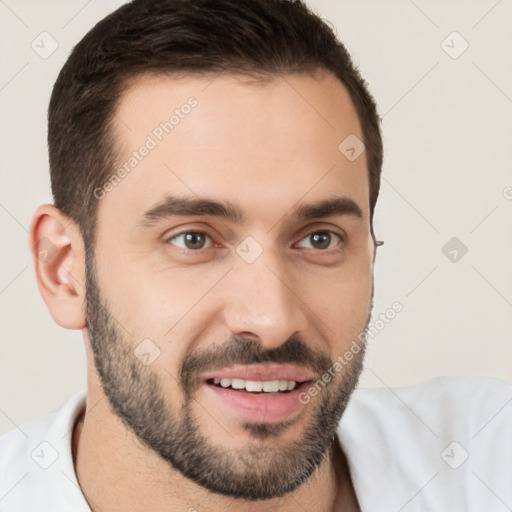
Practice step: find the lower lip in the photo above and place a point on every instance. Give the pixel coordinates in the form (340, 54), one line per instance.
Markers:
(259, 407)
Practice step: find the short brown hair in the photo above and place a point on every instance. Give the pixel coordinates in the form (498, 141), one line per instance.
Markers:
(257, 38)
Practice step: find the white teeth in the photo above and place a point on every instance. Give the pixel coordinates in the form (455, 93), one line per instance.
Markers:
(225, 383)
(271, 386)
(255, 386)
(237, 383)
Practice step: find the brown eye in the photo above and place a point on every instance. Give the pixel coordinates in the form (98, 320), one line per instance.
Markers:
(192, 240)
(321, 240)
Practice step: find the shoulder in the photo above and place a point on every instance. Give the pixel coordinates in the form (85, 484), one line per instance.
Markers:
(449, 437)
(36, 466)
(446, 401)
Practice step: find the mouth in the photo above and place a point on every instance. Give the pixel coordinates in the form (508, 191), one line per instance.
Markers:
(256, 386)
(259, 393)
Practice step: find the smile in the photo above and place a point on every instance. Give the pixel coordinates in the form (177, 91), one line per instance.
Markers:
(254, 386)
(258, 393)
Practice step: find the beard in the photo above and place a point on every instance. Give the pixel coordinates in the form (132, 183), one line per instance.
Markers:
(136, 395)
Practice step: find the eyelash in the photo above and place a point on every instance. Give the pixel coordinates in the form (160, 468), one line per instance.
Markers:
(330, 232)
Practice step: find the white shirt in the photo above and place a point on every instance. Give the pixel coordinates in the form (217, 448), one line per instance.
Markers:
(444, 445)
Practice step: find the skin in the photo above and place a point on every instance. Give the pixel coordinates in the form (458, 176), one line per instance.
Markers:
(265, 148)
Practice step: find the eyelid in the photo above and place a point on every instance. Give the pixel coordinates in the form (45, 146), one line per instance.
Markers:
(319, 227)
(168, 238)
(330, 231)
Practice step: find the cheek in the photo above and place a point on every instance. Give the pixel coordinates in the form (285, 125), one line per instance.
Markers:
(342, 309)
(151, 300)
(169, 308)
(340, 303)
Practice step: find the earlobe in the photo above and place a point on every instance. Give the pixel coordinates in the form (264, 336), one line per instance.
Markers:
(58, 256)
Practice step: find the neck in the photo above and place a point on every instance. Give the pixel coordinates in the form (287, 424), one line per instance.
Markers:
(117, 472)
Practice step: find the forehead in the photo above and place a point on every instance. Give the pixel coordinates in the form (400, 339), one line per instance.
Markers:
(262, 146)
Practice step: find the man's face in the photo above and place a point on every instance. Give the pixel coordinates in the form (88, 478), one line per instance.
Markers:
(208, 325)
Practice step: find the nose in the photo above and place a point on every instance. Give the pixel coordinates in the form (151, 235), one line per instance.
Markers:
(263, 301)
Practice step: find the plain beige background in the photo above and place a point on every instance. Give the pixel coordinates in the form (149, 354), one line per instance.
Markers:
(447, 124)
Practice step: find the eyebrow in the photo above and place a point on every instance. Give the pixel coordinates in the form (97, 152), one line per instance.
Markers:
(175, 206)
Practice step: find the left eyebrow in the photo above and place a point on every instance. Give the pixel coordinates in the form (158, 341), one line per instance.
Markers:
(329, 208)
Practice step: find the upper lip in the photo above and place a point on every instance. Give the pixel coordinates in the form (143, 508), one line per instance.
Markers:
(262, 372)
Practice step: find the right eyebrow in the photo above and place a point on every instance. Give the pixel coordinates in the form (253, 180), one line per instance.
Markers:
(172, 206)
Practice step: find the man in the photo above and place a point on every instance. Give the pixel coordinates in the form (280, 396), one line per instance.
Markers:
(215, 167)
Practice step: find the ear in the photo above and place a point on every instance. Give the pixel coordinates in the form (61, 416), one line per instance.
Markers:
(375, 243)
(59, 260)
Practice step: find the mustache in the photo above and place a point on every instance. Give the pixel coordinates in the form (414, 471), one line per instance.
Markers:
(244, 351)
